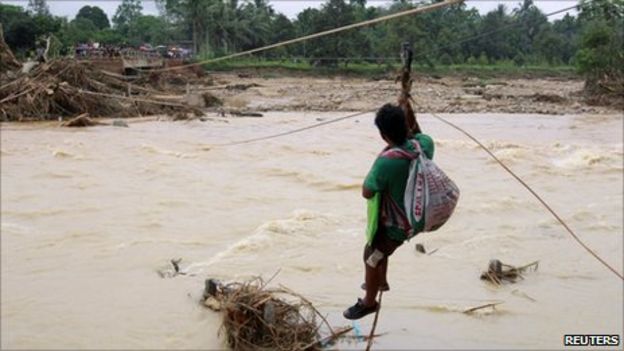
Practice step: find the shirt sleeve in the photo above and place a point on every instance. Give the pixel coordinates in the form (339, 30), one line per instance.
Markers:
(376, 179)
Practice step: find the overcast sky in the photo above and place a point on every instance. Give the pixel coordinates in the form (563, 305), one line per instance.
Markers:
(290, 8)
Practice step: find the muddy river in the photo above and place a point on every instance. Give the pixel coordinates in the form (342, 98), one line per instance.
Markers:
(89, 216)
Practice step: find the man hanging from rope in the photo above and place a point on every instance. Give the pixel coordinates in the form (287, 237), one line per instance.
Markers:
(384, 188)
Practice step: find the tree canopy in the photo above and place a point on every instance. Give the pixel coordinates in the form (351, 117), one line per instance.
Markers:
(94, 14)
(452, 35)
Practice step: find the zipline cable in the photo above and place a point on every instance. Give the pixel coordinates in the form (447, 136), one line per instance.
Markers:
(527, 187)
(317, 35)
(370, 111)
(505, 167)
(460, 41)
(362, 24)
(293, 131)
(322, 33)
(500, 29)
(490, 153)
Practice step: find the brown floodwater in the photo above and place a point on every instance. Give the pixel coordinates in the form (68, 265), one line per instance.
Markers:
(89, 216)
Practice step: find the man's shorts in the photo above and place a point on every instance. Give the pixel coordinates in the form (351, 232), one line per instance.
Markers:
(381, 248)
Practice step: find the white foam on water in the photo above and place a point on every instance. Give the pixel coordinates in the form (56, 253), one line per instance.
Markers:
(81, 249)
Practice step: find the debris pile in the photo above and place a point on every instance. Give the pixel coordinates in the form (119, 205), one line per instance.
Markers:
(174, 80)
(498, 272)
(256, 317)
(68, 88)
(607, 90)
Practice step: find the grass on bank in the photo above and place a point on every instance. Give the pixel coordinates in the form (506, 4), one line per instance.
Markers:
(275, 68)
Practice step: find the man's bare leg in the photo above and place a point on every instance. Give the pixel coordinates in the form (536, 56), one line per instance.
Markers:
(384, 272)
(374, 277)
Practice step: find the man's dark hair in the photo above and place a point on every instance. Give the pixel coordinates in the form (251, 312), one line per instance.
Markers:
(391, 122)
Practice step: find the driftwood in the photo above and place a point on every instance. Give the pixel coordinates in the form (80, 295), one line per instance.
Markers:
(241, 86)
(81, 121)
(68, 88)
(480, 307)
(256, 317)
(498, 272)
(246, 114)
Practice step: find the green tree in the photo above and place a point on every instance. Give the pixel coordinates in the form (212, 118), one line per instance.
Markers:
(327, 50)
(601, 57)
(150, 29)
(196, 18)
(109, 36)
(497, 44)
(80, 30)
(567, 29)
(38, 7)
(22, 28)
(531, 23)
(18, 27)
(95, 15)
(127, 12)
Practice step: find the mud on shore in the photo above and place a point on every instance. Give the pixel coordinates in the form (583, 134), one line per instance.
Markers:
(447, 94)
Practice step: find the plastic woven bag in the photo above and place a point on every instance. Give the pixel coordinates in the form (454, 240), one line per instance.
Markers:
(430, 195)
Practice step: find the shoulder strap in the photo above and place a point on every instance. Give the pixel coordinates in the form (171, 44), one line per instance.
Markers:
(399, 153)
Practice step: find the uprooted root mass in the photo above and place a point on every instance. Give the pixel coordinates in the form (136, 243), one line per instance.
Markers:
(498, 272)
(259, 318)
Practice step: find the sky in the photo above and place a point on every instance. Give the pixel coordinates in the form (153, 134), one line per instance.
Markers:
(69, 8)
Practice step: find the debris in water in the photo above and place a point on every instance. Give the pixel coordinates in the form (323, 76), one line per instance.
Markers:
(420, 248)
(242, 86)
(246, 114)
(498, 272)
(171, 271)
(487, 305)
(256, 317)
(120, 123)
(211, 100)
(81, 121)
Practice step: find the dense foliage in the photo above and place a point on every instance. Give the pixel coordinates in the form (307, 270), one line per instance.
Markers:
(593, 40)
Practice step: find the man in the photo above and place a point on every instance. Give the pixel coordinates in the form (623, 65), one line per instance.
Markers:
(387, 179)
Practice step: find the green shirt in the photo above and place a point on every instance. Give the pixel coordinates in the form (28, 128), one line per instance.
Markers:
(390, 175)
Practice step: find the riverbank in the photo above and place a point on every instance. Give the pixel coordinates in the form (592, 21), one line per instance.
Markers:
(271, 90)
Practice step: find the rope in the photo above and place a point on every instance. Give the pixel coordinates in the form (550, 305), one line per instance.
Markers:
(505, 167)
(272, 136)
(424, 53)
(539, 198)
(317, 35)
(362, 24)
(336, 30)
(500, 29)
(372, 332)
